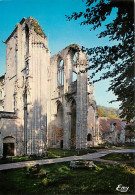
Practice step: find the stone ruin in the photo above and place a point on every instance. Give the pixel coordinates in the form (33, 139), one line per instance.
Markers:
(46, 100)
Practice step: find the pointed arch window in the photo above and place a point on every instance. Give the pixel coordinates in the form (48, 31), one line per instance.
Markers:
(74, 67)
(27, 39)
(60, 74)
(75, 59)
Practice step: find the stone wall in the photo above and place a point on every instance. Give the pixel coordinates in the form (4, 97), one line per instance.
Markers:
(26, 84)
(2, 92)
(112, 130)
(10, 126)
(67, 93)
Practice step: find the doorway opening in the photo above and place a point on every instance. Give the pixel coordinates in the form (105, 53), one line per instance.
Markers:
(59, 125)
(8, 146)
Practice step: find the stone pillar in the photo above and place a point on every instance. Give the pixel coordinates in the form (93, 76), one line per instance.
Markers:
(81, 111)
(36, 83)
(122, 135)
(18, 93)
(96, 130)
(115, 136)
(1, 143)
(66, 125)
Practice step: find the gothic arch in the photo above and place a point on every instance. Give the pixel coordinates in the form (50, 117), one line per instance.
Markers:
(58, 103)
(58, 131)
(77, 60)
(27, 38)
(59, 58)
(8, 139)
(60, 71)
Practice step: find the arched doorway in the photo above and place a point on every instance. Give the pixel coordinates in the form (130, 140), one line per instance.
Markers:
(8, 146)
(89, 137)
(73, 124)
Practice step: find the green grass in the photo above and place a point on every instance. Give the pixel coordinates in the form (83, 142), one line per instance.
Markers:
(119, 156)
(57, 153)
(61, 179)
(51, 153)
(18, 159)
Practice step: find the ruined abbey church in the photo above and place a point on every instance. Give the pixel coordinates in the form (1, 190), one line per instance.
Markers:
(46, 101)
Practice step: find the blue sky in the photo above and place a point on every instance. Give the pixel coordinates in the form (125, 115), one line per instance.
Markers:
(60, 33)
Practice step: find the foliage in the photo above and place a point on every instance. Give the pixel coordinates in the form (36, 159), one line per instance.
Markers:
(60, 179)
(117, 61)
(108, 112)
(100, 112)
(112, 116)
(130, 127)
(37, 28)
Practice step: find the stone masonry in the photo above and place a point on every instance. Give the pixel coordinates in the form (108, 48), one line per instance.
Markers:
(46, 100)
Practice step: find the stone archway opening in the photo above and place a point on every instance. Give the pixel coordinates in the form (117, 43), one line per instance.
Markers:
(8, 146)
(89, 137)
(59, 126)
(73, 124)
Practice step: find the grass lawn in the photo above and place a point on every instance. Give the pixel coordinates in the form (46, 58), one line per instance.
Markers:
(61, 179)
(51, 153)
(57, 153)
(120, 156)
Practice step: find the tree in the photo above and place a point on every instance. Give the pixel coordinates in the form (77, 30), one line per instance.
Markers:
(100, 112)
(112, 116)
(117, 61)
(130, 130)
(130, 127)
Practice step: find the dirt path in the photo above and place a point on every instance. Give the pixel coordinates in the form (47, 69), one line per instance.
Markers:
(93, 156)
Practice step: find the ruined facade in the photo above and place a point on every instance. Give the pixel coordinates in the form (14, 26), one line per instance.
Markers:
(71, 100)
(46, 101)
(113, 131)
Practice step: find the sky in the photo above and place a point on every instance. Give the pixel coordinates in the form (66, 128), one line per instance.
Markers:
(60, 32)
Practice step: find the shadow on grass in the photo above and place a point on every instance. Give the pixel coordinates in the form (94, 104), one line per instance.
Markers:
(60, 179)
(120, 156)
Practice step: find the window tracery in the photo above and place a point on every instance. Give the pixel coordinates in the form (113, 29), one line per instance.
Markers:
(60, 74)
